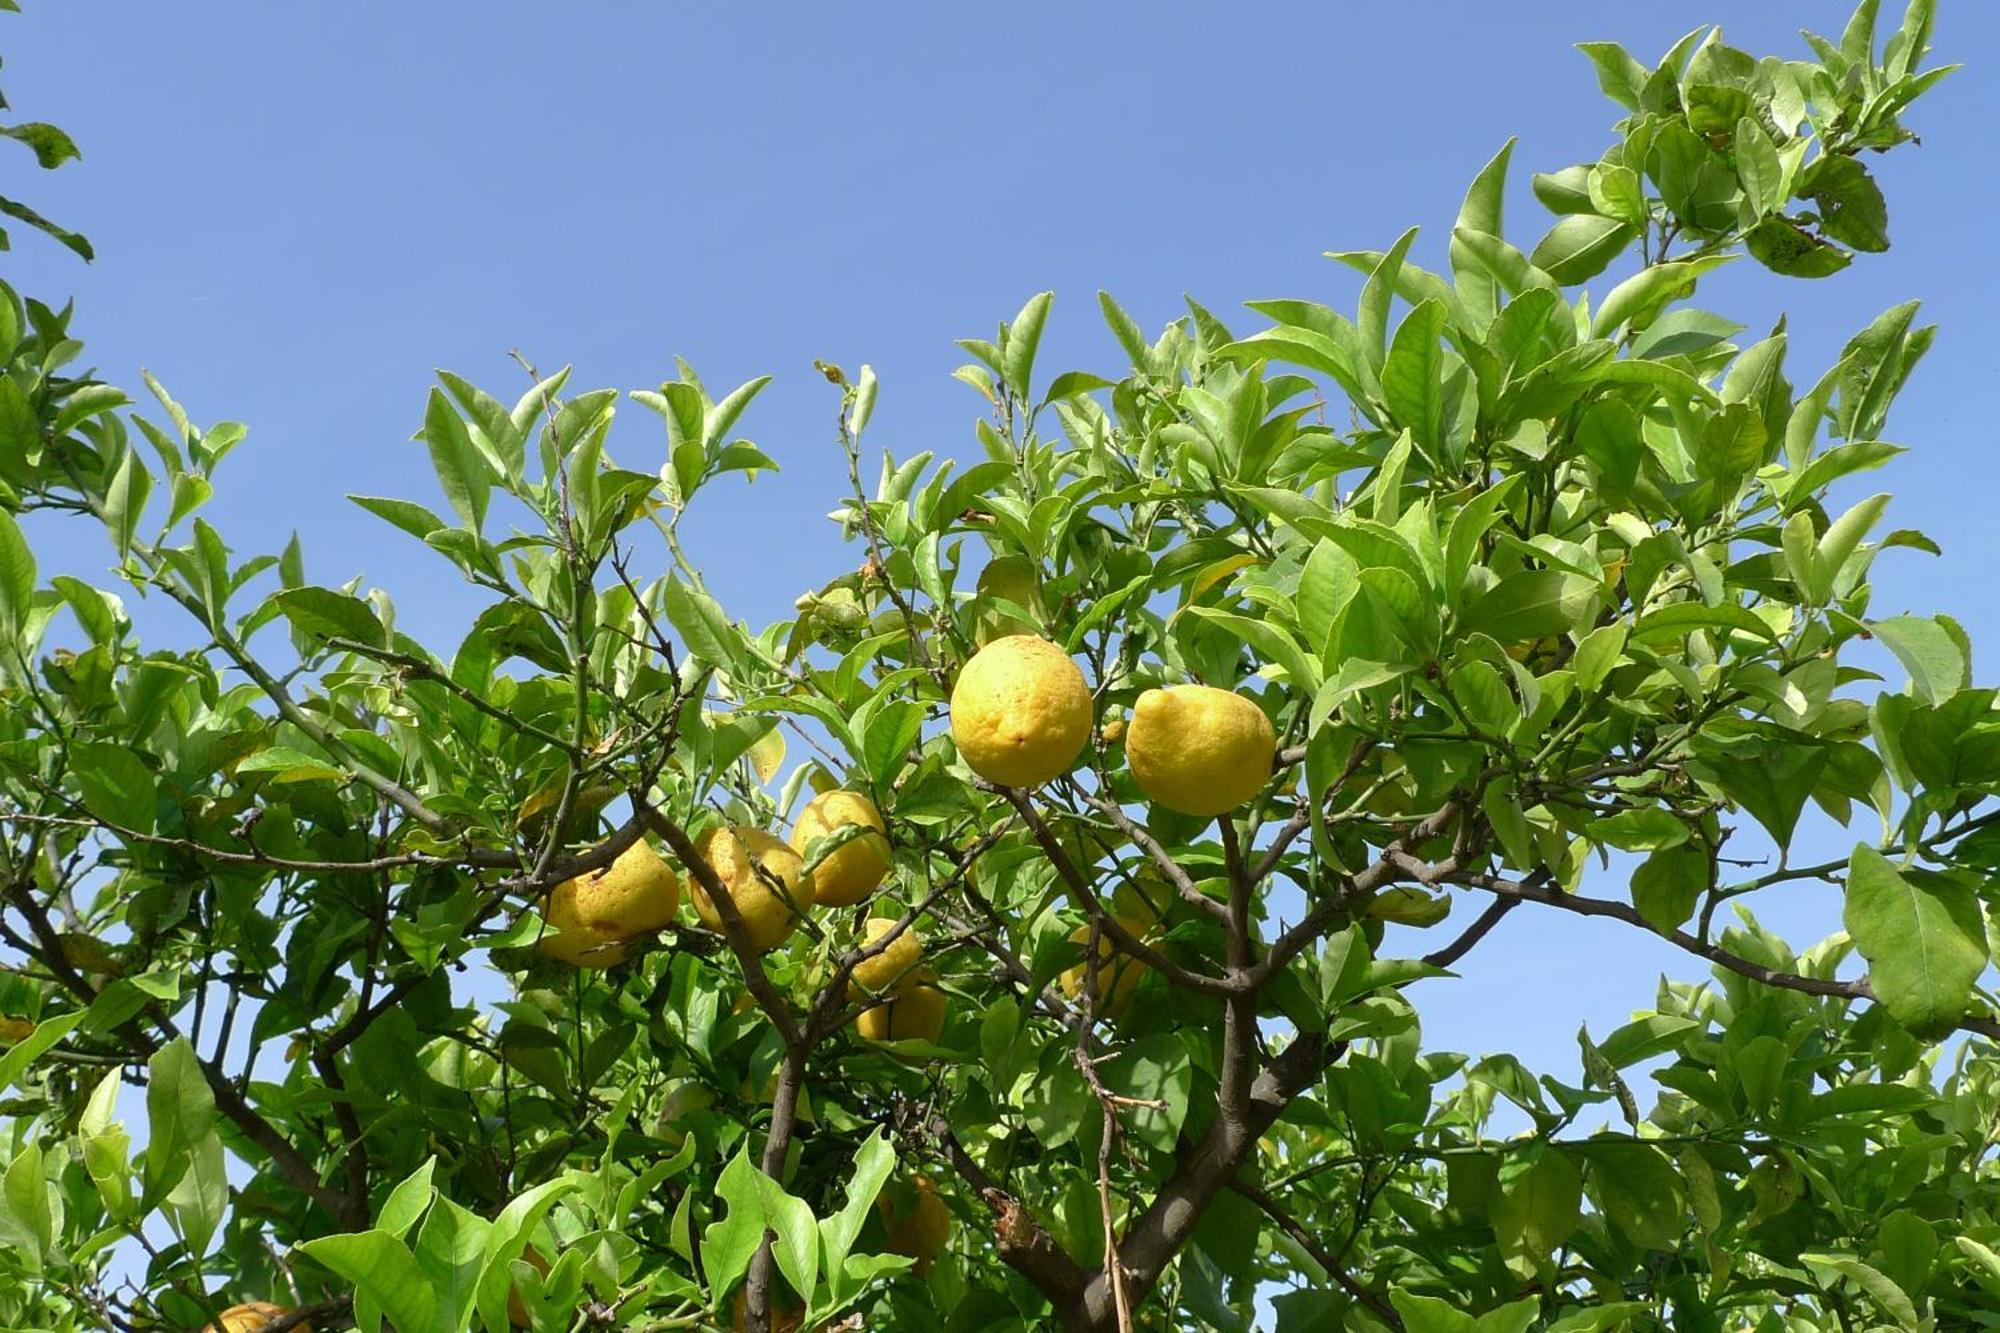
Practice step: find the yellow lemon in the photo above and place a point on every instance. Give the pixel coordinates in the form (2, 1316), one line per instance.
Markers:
(1118, 974)
(914, 1011)
(765, 878)
(855, 868)
(882, 972)
(590, 917)
(251, 1316)
(1020, 712)
(1199, 750)
(918, 1224)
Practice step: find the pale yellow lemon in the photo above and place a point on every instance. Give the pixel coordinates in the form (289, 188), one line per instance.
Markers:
(1118, 973)
(881, 972)
(1020, 711)
(854, 869)
(914, 1011)
(765, 878)
(1199, 750)
(591, 916)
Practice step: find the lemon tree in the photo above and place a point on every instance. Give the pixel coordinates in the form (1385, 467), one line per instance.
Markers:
(1033, 930)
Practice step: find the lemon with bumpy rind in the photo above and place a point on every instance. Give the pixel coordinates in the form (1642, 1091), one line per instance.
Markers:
(1118, 973)
(1020, 711)
(1199, 750)
(591, 916)
(875, 975)
(914, 1011)
(854, 869)
(765, 878)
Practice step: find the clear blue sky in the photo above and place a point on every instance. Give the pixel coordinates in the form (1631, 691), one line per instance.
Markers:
(300, 210)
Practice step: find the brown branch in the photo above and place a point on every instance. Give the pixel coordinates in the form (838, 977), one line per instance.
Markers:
(1124, 939)
(1024, 1245)
(1542, 893)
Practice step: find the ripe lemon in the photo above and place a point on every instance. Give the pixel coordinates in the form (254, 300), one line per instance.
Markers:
(747, 860)
(1199, 750)
(881, 973)
(1020, 712)
(251, 1316)
(914, 1011)
(1118, 974)
(590, 917)
(855, 868)
(917, 1225)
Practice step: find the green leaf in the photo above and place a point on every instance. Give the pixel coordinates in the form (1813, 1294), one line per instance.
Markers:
(757, 1202)
(1638, 1190)
(1667, 885)
(1640, 297)
(1411, 378)
(381, 1268)
(701, 624)
(1537, 1211)
(1647, 829)
(17, 575)
(1581, 246)
(180, 1111)
(1933, 655)
(1533, 604)
(451, 1250)
(1481, 211)
(1155, 1069)
(23, 1053)
(1783, 246)
(116, 785)
(1682, 618)
(1598, 654)
(1922, 936)
(322, 614)
(408, 515)
(1024, 336)
(1851, 208)
(462, 472)
(1270, 641)
(197, 1202)
(26, 1220)
(406, 1203)
(1621, 77)
(873, 1162)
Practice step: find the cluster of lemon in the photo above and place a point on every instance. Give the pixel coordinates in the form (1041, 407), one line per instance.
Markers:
(1021, 715)
(593, 919)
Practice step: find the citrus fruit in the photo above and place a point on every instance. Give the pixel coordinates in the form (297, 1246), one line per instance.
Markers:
(854, 869)
(765, 878)
(1199, 750)
(1020, 711)
(591, 916)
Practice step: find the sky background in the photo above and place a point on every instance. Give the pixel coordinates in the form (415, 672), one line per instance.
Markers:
(301, 210)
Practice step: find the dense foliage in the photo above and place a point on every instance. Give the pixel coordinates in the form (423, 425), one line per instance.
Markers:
(1525, 579)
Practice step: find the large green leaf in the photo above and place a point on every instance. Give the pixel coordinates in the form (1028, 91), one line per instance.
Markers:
(382, 1270)
(1922, 936)
(1535, 1212)
(180, 1110)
